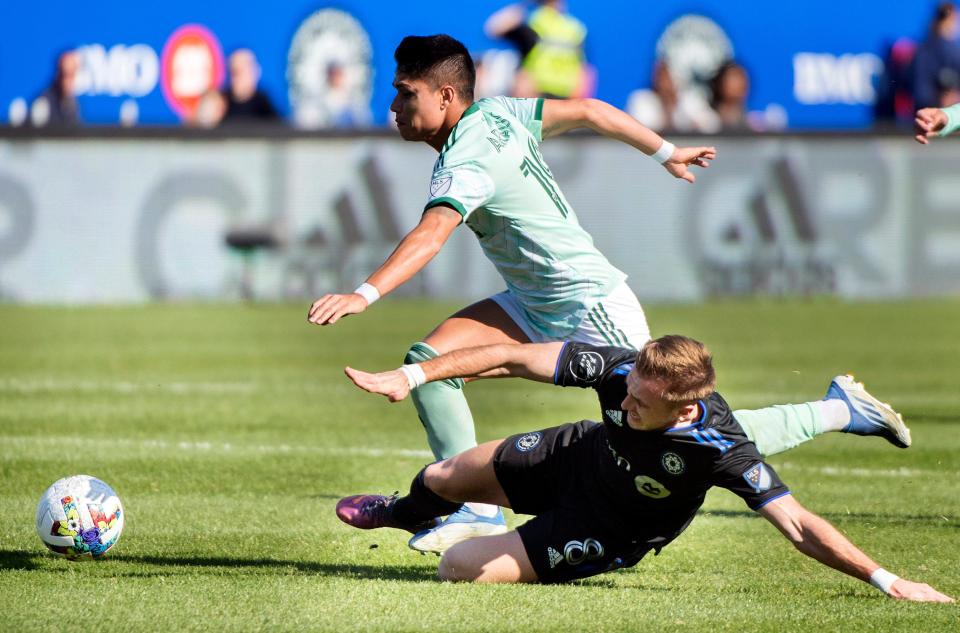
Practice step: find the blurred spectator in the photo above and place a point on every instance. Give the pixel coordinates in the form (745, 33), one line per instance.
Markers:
(57, 106)
(550, 42)
(895, 85)
(245, 102)
(496, 72)
(665, 107)
(937, 62)
(209, 112)
(729, 88)
(343, 109)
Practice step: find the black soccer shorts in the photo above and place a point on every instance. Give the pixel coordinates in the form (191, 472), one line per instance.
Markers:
(548, 473)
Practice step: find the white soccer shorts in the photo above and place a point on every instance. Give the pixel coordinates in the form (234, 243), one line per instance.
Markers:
(617, 320)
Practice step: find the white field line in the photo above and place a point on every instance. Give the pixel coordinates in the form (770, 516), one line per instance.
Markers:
(740, 399)
(22, 444)
(21, 386)
(841, 471)
(19, 443)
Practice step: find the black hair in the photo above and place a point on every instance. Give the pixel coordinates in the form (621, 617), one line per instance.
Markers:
(438, 59)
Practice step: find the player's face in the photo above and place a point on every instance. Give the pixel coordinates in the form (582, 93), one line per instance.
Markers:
(418, 109)
(646, 410)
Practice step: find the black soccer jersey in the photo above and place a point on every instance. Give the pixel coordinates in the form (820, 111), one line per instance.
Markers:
(657, 480)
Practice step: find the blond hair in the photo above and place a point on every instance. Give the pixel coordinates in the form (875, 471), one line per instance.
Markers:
(685, 367)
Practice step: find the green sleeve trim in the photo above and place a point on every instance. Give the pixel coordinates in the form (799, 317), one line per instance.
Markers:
(538, 115)
(953, 120)
(450, 202)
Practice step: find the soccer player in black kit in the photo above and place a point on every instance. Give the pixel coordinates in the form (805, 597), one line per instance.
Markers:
(604, 495)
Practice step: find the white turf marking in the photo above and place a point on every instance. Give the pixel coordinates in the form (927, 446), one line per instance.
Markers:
(20, 386)
(743, 399)
(21, 444)
(860, 472)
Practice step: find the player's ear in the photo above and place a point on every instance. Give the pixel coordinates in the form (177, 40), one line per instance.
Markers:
(447, 95)
(687, 409)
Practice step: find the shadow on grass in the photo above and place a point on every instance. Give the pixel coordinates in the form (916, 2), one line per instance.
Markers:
(935, 520)
(343, 570)
(25, 560)
(17, 559)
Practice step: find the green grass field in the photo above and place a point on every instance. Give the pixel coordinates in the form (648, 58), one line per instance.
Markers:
(230, 432)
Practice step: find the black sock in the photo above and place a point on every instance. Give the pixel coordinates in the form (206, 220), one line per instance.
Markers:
(422, 504)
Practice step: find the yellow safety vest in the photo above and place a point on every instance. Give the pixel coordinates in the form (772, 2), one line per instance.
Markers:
(556, 62)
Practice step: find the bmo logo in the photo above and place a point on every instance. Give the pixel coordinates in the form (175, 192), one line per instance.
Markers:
(191, 65)
(118, 71)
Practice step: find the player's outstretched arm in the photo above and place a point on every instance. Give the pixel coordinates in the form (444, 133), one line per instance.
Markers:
(534, 361)
(928, 123)
(816, 538)
(413, 252)
(562, 115)
(933, 122)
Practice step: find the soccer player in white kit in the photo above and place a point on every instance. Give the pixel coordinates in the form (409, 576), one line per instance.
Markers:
(491, 176)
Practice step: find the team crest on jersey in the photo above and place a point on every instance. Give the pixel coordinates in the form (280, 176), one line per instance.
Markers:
(759, 478)
(650, 487)
(615, 415)
(529, 442)
(440, 186)
(587, 366)
(672, 463)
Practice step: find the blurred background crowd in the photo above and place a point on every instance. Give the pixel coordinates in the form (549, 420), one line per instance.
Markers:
(334, 71)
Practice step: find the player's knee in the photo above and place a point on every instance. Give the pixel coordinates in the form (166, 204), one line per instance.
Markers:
(419, 352)
(457, 565)
(434, 478)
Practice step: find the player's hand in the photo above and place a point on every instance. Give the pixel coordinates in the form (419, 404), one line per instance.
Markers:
(392, 384)
(328, 309)
(928, 123)
(684, 157)
(904, 589)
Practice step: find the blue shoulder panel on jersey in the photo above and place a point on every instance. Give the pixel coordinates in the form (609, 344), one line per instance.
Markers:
(624, 369)
(713, 438)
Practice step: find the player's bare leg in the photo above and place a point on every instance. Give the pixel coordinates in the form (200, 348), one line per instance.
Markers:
(501, 558)
(441, 405)
(481, 323)
(468, 476)
(446, 416)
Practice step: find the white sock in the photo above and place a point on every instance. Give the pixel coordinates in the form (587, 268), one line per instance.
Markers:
(834, 414)
(482, 509)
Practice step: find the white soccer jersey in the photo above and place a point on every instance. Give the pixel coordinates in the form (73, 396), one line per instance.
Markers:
(491, 171)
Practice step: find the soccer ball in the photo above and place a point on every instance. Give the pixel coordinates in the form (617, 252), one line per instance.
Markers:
(79, 517)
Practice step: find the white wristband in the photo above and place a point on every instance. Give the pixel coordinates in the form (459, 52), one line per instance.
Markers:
(663, 154)
(368, 292)
(883, 580)
(415, 375)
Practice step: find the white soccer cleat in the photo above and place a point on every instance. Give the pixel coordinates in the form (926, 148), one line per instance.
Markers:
(868, 416)
(459, 526)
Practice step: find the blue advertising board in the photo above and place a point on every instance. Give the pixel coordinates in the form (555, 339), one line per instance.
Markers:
(812, 64)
